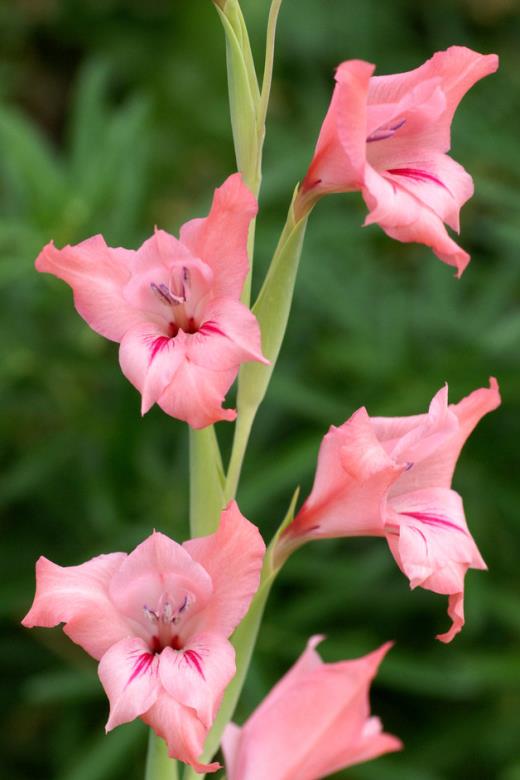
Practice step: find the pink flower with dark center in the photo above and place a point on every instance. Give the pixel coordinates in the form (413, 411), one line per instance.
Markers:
(174, 306)
(158, 620)
(388, 137)
(314, 722)
(391, 477)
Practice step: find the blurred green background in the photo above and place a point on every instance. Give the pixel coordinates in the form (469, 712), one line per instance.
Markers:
(113, 118)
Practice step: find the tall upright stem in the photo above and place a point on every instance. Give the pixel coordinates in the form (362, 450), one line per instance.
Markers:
(206, 482)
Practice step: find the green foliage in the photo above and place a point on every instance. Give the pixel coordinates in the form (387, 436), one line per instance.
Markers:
(113, 117)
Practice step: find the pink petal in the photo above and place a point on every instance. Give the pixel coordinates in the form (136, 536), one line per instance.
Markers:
(422, 442)
(172, 372)
(403, 217)
(150, 360)
(228, 336)
(457, 69)
(311, 724)
(352, 478)
(97, 275)
(431, 543)
(350, 735)
(230, 745)
(433, 442)
(129, 674)
(197, 393)
(158, 567)
(197, 675)
(339, 158)
(456, 613)
(220, 240)
(438, 182)
(78, 596)
(181, 729)
(233, 558)
(435, 547)
(412, 121)
(414, 437)
(309, 662)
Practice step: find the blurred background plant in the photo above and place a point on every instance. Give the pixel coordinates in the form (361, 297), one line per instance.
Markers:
(113, 118)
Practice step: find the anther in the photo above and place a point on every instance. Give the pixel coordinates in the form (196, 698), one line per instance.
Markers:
(382, 133)
(152, 616)
(164, 294)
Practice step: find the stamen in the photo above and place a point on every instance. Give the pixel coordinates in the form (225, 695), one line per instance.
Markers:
(163, 294)
(179, 285)
(152, 616)
(382, 133)
(181, 609)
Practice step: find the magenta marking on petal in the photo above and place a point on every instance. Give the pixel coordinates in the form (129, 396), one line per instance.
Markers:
(382, 133)
(194, 659)
(417, 175)
(141, 666)
(434, 520)
(211, 327)
(157, 345)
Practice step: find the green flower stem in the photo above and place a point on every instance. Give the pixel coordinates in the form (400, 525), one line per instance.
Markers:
(158, 765)
(206, 482)
(272, 310)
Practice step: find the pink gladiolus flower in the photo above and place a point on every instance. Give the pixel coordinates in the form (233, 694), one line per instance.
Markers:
(158, 621)
(315, 721)
(391, 477)
(388, 137)
(173, 305)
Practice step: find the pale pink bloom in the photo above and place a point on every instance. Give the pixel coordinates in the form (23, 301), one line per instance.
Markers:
(315, 721)
(391, 477)
(158, 621)
(173, 305)
(388, 137)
